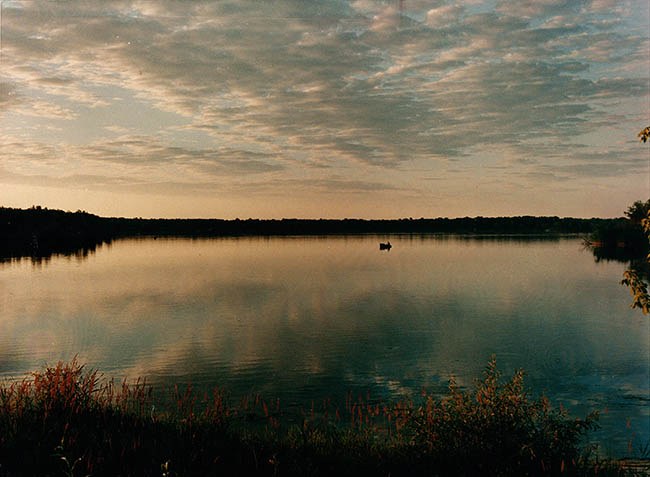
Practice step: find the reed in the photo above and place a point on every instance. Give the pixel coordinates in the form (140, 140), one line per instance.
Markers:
(67, 420)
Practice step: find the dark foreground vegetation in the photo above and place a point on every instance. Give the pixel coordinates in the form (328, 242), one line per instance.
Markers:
(66, 420)
(41, 232)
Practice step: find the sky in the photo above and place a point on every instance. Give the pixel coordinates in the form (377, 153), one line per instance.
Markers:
(325, 108)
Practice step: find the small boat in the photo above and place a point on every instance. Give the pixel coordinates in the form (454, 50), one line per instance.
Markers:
(385, 246)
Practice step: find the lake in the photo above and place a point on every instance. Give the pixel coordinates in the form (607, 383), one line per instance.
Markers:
(305, 318)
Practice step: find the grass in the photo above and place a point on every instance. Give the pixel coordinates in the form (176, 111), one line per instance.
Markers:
(69, 421)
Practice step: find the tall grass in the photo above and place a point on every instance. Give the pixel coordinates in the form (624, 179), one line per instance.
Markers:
(497, 428)
(67, 420)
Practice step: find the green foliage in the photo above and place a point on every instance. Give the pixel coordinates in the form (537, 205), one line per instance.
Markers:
(638, 212)
(639, 215)
(69, 468)
(638, 289)
(632, 277)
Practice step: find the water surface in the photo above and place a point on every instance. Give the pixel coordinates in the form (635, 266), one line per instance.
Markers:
(307, 318)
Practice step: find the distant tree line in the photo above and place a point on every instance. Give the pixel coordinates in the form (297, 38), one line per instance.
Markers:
(42, 231)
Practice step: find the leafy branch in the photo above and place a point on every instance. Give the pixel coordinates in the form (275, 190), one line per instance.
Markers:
(631, 278)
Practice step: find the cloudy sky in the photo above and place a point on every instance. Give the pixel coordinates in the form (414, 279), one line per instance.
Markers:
(325, 108)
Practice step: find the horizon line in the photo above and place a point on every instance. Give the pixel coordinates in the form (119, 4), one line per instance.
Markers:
(39, 207)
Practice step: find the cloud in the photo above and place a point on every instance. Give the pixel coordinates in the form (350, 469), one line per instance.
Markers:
(443, 16)
(127, 160)
(388, 19)
(8, 96)
(534, 8)
(12, 99)
(334, 185)
(262, 88)
(116, 129)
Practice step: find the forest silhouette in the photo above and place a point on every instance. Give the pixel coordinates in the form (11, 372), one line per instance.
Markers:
(41, 232)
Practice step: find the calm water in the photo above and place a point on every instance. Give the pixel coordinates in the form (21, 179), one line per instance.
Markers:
(307, 318)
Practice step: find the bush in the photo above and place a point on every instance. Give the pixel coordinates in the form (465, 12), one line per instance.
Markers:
(497, 429)
(67, 420)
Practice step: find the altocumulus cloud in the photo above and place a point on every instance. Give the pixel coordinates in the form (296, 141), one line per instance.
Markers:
(365, 96)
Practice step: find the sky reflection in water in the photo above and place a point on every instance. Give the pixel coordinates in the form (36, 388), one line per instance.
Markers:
(307, 318)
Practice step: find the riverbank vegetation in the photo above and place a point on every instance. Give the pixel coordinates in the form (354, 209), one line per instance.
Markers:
(626, 234)
(628, 241)
(66, 420)
(639, 273)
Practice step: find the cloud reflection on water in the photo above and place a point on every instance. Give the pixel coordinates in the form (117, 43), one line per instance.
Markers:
(306, 318)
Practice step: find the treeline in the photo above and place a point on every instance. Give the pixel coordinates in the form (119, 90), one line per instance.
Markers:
(43, 231)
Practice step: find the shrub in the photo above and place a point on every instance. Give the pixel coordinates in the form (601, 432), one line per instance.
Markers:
(496, 428)
(66, 420)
